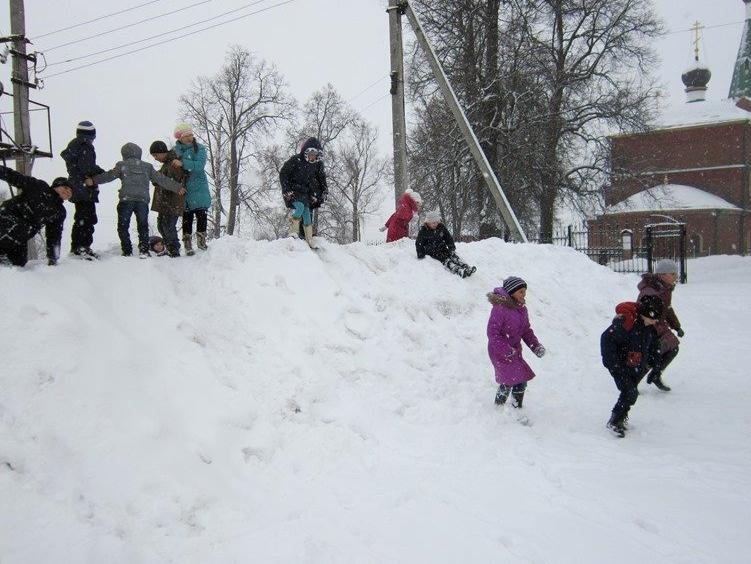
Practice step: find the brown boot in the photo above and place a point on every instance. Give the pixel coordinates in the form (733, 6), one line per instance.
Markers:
(201, 241)
(188, 243)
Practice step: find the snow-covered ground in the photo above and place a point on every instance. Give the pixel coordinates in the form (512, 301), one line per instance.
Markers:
(264, 403)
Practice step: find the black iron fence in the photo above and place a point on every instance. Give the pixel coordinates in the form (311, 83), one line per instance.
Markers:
(625, 249)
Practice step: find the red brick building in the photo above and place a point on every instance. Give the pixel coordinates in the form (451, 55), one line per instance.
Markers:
(693, 166)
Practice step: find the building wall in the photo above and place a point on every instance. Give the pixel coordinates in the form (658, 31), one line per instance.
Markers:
(647, 156)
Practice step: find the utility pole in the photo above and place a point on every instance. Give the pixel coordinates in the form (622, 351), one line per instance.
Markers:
(398, 120)
(20, 80)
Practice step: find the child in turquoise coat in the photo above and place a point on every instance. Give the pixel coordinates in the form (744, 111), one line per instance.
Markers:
(191, 156)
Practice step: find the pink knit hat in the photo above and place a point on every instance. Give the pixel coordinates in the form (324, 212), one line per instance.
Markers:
(183, 129)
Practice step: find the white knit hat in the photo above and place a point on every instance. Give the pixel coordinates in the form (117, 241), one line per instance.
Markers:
(414, 195)
(666, 266)
(183, 129)
(432, 216)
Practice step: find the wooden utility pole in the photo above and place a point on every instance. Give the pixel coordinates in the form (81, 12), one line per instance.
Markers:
(399, 123)
(20, 80)
(464, 126)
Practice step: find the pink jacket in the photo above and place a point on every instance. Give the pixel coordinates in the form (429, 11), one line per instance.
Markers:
(398, 223)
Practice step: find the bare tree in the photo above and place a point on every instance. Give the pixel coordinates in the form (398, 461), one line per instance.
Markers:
(237, 107)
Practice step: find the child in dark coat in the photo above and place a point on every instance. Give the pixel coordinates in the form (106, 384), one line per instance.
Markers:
(23, 216)
(435, 241)
(168, 205)
(629, 346)
(80, 160)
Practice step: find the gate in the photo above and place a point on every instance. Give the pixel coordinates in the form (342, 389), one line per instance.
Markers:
(667, 241)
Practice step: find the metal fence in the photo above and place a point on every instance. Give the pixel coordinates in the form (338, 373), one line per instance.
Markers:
(627, 250)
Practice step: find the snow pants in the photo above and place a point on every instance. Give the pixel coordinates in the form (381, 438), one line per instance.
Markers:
(84, 220)
(627, 384)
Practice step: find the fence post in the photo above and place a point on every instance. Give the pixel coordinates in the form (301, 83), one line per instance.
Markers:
(649, 248)
(570, 235)
(684, 274)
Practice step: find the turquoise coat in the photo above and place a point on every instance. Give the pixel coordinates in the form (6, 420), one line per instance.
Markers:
(198, 196)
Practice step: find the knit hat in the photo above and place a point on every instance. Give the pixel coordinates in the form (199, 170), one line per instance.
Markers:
(86, 129)
(666, 266)
(158, 147)
(650, 306)
(60, 181)
(183, 129)
(513, 283)
(414, 195)
(433, 217)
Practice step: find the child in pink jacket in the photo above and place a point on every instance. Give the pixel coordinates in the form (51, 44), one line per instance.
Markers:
(398, 223)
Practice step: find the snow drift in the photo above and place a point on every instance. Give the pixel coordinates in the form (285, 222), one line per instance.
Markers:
(264, 403)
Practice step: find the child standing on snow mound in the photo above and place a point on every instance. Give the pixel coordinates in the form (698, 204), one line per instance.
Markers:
(435, 241)
(191, 157)
(628, 347)
(661, 284)
(135, 176)
(168, 205)
(508, 326)
(398, 223)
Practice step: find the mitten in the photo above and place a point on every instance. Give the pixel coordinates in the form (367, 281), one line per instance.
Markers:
(540, 351)
(680, 332)
(384, 228)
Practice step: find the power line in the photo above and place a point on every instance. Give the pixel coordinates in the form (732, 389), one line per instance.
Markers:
(126, 26)
(171, 39)
(103, 51)
(373, 103)
(703, 27)
(367, 88)
(96, 19)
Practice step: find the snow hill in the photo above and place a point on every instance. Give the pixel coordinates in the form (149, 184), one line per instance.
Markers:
(264, 403)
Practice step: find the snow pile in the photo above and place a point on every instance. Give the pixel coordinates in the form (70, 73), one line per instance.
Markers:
(707, 112)
(666, 197)
(264, 403)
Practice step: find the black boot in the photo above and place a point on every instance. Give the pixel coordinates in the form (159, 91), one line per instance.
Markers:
(655, 377)
(502, 394)
(518, 399)
(616, 424)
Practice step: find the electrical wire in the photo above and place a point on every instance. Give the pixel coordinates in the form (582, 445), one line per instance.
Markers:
(96, 19)
(368, 88)
(122, 46)
(374, 102)
(168, 40)
(152, 18)
(702, 27)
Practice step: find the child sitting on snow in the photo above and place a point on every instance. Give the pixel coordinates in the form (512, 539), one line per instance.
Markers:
(435, 241)
(157, 246)
(629, 346)
(508, 326)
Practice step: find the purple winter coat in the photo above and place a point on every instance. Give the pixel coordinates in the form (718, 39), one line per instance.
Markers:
(651, 285)
(507, 327)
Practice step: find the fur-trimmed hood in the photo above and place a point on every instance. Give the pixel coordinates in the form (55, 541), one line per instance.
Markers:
(499, 296)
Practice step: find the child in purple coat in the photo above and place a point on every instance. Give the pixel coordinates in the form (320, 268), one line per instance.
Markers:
(508, 326)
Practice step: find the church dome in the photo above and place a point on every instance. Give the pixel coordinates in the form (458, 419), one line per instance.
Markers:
(697, 77)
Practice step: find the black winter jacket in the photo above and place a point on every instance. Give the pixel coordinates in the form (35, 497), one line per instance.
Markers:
(629, 352)
(306, 180)
(24, 215)
(80, 160)
(436, 243)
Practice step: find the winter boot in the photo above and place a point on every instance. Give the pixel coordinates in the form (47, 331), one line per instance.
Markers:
(85, 253)
(201, 241)
(294, 227)
(502, 394)
(655, 377)
(518, 399)
(309, 236)
(616, 424)
(173, 251)
(188, 243)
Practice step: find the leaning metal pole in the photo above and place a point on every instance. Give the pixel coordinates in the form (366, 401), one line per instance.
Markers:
(469, 135)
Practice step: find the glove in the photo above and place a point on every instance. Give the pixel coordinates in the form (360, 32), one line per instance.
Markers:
(288, 196)
(382, 229)
(540, 351)
(680, 332)
(313, 200)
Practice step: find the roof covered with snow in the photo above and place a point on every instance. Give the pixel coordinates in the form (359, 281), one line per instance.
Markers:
(670, 197)
(701, 113)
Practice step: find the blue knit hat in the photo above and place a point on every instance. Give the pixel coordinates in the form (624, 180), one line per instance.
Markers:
(86, 129)
(513, 283)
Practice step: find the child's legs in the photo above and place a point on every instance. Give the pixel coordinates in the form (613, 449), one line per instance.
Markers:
(502, 394)
(84, 220)
(202, 221)
(301, 211)
(142, 222)
(517, 391)
(188, 223)
(124, 211)
(629, 392)
(167, 225)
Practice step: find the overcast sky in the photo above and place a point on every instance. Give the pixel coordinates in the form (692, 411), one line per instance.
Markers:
(312, 42)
